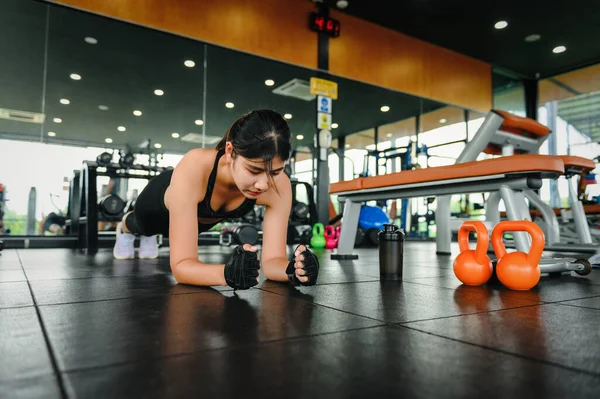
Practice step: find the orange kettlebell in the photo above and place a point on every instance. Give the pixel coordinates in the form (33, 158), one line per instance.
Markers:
(518, 270)
(473, 267)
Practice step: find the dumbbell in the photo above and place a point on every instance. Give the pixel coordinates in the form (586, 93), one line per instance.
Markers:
(111, 206)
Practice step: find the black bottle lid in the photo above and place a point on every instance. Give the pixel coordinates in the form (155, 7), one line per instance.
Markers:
(390, 232)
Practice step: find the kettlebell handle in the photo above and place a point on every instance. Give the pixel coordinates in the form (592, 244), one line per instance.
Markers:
(329, 231)
(482, 239)
(318, 229)
(537, 238)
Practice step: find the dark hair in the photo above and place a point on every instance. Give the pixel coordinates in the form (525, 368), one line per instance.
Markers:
(262, 133)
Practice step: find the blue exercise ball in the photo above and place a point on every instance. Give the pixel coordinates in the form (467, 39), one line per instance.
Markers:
(372, 217)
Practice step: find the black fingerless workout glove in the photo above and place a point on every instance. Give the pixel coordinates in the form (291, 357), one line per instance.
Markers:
(311, 267)
(242, 269)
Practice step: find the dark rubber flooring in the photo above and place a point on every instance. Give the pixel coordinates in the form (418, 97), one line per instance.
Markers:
(79, 326)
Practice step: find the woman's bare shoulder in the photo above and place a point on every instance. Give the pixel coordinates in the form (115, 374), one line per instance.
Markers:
(196, 161)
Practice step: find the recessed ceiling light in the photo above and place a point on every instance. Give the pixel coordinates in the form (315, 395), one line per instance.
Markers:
(91, 40)
(559, 49)
(75, 76)
(175, 135)
(300, 137)
(199, 122)
(121, 128)
(57, 120)
(108, 140)
(533, 38)
(159, 92)
(269, 82)
(137, 112)
(189, 63)
(65, 101)
(287, 116)
(500, 24)
(388, 135)
(103, 107)
(51, 134)
(443, 120)
(385, 108)
(334, 125)
(229, 105)
(157, 145)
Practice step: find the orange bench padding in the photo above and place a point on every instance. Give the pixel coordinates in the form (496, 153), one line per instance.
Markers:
(522, 126)
(585, 164)
(487, 167)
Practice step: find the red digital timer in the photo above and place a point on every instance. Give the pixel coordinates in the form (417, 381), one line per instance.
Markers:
(327, 25)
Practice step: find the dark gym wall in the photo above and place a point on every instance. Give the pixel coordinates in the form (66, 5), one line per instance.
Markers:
(364, 51)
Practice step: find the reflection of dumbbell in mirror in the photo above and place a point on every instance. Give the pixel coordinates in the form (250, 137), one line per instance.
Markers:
(111, 207)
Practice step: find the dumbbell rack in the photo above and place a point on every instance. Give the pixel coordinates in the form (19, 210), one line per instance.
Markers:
(82, 212)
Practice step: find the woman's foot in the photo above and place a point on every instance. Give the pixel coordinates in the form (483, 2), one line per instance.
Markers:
(124, 244)
(148, 247)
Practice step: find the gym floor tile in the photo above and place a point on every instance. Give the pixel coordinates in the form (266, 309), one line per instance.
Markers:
(41, 387)
(23, 351)
(12, 275)
(586, 303)
(563, 335)
(549, 289)
(96, 334)
(14, 264)
(50, 292)
(396, 301)
(374, 362)
(15, 294)
(8, 255)
(121, 268)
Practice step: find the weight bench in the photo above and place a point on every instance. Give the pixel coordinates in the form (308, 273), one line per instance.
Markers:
(509, 176)
(504, 134)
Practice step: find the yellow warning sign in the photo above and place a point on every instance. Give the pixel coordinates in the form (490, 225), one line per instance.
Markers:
(324, 87)
(323, 121)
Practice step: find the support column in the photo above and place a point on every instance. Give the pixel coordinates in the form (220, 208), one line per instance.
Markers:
(531, 97)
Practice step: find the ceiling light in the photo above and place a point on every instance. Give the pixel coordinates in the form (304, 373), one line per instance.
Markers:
(287, 116)
(334, 125)
(57, 120)
(269, 82)
(533, 38)
(75, 76)
(159, 92)
(121, 128)
(341, 4)
(385, 108)
(300, 137)
(229, 105)
(189, 63)
(157, 145)
(199, 122)
(388, 135)
(91, 40)
(443, 120)
(559, 49)
(51, 134)
(137, 112)
(108, 140)
(65, 101)
(500, 24)
(103, 107)
(175, 135)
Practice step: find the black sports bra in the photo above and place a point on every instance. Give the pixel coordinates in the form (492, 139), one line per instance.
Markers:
(204, 209)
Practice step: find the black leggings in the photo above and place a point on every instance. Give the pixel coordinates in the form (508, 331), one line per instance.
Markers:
(150, 216)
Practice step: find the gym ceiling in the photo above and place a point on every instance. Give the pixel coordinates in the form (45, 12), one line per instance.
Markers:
(127, 63)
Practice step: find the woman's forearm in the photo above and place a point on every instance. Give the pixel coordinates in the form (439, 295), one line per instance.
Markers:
(274, 269)
(194, 272)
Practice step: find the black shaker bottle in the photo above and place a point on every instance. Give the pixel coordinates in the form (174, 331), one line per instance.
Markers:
(391, 252)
